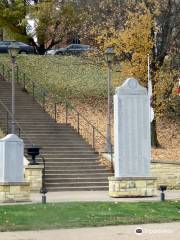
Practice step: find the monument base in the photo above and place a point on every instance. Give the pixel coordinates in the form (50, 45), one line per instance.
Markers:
(132, 186)
(14, 192)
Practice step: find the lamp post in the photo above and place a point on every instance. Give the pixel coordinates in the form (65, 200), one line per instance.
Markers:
(13, 51)
(109, 57)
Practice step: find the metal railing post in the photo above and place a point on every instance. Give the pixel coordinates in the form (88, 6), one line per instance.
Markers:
(24, 81)
(44, 95)
(78, 122)
(33, 86)
(17, 73)
(93, 143)
(66, 106)
(9, 75)
(7, 124)
(19, 132)
(3, 70)
(55, 111)
(43, 189)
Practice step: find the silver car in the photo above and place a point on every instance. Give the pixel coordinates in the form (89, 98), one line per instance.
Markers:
(72, 49)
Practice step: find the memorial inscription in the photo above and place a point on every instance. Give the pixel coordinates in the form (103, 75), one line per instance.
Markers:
(132, 130)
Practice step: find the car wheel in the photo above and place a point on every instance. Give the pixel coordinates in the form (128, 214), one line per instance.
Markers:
(23, 52)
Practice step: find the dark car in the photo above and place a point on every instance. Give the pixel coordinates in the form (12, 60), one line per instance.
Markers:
(23, 48)
(72, 49)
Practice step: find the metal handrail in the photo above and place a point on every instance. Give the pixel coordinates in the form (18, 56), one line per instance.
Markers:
(67, 103)
(20, 130)
(75, 109)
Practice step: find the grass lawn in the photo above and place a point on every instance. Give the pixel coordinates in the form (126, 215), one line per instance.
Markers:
(70, 76)
(74, 215)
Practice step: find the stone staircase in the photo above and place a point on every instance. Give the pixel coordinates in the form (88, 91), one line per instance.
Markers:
(71, 163)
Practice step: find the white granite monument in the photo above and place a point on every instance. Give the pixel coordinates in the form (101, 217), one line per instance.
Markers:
(132, 142)
(12, 184)
(11, 159)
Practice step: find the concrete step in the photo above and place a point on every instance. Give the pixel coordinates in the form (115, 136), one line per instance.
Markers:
(73, 164)
(70, 155)
(77, 172)
(79, 176)
(92, 188)
(67, 159)
(73, 167)
(76, 184)
(75, 180)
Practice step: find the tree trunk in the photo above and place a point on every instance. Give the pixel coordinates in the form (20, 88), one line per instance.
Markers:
(41, 49)
(1, 34)
(154, 140)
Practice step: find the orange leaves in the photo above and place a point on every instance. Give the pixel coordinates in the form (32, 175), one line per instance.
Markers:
(135, 40)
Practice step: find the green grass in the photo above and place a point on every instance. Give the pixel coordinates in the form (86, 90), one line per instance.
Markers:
(73, 215)
(73, 77)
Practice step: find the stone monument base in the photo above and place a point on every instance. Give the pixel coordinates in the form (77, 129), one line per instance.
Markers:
(14, 192)
(132, 186)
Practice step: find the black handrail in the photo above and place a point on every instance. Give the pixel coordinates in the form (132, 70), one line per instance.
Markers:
(69, 106)
(43, 189)
(20, 130)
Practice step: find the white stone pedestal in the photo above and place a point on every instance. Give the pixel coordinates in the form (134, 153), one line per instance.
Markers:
(13, 187)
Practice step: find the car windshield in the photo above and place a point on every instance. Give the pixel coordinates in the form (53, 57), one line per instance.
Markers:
(5, 43)
(21, 44)
(77, 46)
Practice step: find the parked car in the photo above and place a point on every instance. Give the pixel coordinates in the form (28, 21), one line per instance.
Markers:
(51, 52)
(72, 49)
(23, 48)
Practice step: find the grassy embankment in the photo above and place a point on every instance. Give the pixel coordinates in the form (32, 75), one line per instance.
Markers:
(73, 215)
(73, 77)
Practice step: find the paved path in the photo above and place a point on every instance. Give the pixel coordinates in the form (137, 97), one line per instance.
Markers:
(97, 196)
(165, 231)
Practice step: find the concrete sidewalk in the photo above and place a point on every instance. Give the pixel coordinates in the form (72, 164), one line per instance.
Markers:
(165, 231)
(93, 196)
(98, 196)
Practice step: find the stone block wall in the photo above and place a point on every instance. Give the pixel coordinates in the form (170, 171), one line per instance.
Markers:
(14, 192)
(132, 187)
(33, 174)
(167, 173)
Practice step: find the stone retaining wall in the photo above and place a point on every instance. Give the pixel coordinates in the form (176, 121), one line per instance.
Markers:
(167, 173)
(14, 192)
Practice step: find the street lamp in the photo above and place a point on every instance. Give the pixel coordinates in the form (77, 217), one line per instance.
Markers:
(109, 57)
(13, 51)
